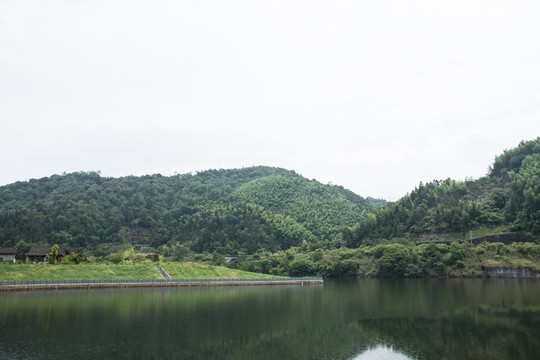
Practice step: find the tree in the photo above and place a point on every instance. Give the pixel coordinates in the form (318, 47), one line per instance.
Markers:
(394, 261)
(52, 257)
(22, 247)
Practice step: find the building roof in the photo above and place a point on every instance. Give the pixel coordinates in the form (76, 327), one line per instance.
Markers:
(39, 250)
(8, 251)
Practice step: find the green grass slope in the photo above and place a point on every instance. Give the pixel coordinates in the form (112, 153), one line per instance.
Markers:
(42, 272)
(195, 271)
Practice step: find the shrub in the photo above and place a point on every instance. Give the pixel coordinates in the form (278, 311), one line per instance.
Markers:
(74, 259)
(115, 258)
(394, 261)
(301, 267)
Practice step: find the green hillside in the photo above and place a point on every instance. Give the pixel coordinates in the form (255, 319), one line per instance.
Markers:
(505, 201)
(228, 211)
(321, 209)
(263, 209)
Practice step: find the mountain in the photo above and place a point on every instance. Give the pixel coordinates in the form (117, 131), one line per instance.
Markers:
(507, 200)
(265, 208)
(228, 211)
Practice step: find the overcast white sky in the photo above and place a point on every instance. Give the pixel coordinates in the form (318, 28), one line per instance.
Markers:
(372, 95)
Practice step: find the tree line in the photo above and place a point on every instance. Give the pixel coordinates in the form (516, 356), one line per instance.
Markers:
(230, 211)
(263, 209)
(508, 198)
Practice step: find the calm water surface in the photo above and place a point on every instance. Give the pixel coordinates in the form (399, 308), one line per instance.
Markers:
(357, 319)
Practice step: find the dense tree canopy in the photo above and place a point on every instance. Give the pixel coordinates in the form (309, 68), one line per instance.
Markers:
(214, 210)
(320, 208)
(257, 209)
(508, 197)
(511, 160)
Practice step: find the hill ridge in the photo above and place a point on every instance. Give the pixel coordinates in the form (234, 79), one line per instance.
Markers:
(86, 209)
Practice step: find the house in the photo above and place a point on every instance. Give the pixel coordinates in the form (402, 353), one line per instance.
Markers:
(8, 254)
(38, 254)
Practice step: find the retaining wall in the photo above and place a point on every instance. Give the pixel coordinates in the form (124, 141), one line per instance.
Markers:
(513, 273)
(97, 284)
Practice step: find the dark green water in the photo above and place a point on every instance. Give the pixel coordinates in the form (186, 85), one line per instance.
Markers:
(358, 319)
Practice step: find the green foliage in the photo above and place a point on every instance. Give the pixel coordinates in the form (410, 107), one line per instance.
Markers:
(129, 256)
(455, 207)
(511, 160)
(179, 251)
(215, 210)
(218, 259)
(458, 259)
(115, 258)
(394, 260)
(525, 202)
(301, 267)
(241, 227)
(39, 272)
(264, 209)
(377, 203)
(22, 247)
(74, 259)
(343, 268)
(322, 209)
(198, 271)
(52, 257)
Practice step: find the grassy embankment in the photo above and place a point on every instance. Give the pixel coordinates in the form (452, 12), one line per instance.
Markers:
(196, 271)
(41, 272)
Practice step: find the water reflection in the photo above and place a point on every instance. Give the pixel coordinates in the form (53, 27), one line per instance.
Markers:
(418, 319)
(381, 353)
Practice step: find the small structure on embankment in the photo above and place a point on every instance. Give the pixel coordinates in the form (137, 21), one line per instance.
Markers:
(8, 254)
(38, 253)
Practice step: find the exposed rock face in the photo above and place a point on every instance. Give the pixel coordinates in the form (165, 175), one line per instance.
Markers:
(482, 192)
(506, 239)
(513, 273)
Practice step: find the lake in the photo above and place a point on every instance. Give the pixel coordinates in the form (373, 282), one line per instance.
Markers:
(353, 319)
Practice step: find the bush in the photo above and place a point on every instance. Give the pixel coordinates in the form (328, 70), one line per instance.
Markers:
(394, 261)
(413, 271)
(301, 267)
(317, 255)
(343, 268)
(528, 249)
(115, 258)
(74, 259)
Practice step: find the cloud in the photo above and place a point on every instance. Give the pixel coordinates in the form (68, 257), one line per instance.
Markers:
(374, 96)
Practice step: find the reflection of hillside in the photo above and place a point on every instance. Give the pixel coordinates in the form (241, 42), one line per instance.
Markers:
(458, 338)
(334, 342)
(485, 331)
(472, 319)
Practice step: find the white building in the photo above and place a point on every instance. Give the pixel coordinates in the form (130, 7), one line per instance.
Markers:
(8, 254)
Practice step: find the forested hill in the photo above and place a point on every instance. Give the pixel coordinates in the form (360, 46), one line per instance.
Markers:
(506, 200)
(228, 211)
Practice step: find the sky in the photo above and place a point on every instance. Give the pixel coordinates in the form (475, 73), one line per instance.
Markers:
(375, 96)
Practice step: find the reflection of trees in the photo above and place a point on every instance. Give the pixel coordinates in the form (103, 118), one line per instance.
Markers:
(422, 319)
(505, 336)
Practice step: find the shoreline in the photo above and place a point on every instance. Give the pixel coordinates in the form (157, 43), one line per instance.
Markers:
(96, 284)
